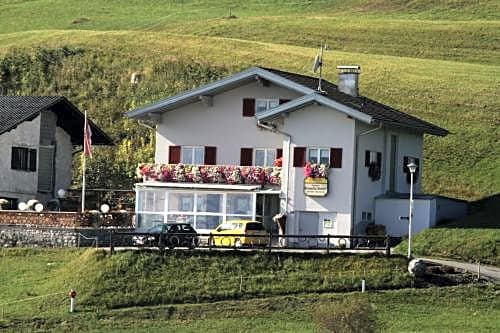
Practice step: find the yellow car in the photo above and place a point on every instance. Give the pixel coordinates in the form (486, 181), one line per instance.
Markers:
(228, 234)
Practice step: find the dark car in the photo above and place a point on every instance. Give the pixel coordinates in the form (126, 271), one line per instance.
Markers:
(169, 235)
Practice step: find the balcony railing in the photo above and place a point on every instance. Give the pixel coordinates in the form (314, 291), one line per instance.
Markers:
(210, 174)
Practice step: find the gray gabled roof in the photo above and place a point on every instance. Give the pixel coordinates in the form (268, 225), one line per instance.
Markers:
(15, 110)
(361, 108)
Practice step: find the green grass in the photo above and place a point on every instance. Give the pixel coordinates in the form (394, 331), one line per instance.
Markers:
(479, 244)
(457, 309)
(109, 286)
(438, 60)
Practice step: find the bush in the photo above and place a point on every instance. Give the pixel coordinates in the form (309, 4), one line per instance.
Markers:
(354, 315)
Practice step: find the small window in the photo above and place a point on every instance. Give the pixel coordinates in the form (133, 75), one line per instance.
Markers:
(366, 216)
(193, 155)
(265, 104)
(265, 157)
(23, 159)
(319, 155)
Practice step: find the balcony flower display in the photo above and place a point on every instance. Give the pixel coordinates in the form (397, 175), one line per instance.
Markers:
(215, 174)
(314, 170)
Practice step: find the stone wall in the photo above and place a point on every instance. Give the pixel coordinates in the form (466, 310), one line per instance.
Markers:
(67, 219)
(62, 229)
(18, 235)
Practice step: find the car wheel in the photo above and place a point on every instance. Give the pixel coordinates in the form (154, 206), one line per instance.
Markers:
(237, 242)
(173, 242)
(194, 242)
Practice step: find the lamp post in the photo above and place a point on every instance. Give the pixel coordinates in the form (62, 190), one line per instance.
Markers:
(412, 167)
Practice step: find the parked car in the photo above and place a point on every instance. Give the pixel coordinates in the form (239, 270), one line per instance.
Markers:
(170, 235)
(240, 233)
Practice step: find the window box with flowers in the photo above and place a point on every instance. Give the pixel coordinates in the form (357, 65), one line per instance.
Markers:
(210, 174)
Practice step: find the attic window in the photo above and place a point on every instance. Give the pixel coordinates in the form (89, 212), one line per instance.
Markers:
(265, 104)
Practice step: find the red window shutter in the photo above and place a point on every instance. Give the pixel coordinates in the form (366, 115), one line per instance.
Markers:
(210, 155)
(283, 101)
(246, 156)
(336, 158)
(248, 107)
(299, 156)
(174, 154)
(279, 153)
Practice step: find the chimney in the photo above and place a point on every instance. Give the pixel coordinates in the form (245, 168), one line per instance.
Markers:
(348, 79)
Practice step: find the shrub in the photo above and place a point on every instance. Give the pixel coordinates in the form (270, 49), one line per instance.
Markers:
(354, 315)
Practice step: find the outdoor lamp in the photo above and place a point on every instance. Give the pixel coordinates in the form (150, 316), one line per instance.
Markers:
(412, 167)
(104, 208)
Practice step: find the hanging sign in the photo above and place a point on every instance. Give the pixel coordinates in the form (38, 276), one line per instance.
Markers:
(316, 187)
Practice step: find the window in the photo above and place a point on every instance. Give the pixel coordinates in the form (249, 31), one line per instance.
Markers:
(366, 216)
(265, 104)
(373, 160)
(203, 210)
(407, 160)
(319, 155)
(193, 155)
(23, 159)
(265, 157)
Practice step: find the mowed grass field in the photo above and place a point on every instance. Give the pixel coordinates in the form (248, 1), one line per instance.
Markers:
(31, 274)
(438, 60)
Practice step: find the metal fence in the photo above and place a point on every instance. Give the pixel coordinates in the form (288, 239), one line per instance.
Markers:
(269, 242)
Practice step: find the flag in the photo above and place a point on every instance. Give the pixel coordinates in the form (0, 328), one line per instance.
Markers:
(87, 138)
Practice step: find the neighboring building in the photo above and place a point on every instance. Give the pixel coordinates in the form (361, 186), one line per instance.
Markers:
(256, 116)
(37, 136)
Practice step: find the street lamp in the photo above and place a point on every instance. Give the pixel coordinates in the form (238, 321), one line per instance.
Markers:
(412, 167)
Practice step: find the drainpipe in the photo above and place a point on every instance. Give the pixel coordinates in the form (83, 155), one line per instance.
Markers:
(355, 182)
(287, 165)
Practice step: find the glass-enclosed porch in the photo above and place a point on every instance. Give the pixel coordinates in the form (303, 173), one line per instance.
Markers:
(204, 206)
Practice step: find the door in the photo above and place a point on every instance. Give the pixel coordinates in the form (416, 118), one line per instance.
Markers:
(308, 225)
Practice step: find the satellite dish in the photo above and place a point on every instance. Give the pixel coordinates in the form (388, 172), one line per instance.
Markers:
(38, 207)
(317, 63)
(22, 206)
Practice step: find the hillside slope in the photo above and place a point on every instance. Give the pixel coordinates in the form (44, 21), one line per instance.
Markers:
(438, 60)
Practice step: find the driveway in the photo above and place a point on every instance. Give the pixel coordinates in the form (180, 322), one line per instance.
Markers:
(490, 272)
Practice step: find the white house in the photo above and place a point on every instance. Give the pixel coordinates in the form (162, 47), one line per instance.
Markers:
(253, 117)
(37, 136)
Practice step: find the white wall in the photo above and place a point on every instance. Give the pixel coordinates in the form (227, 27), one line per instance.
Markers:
(318, 126)
(221, 125)
(17, 183)
(388, 211)
(409, 144)
(24, 184)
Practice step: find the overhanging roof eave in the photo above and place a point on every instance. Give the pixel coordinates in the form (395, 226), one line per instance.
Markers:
(217, 86)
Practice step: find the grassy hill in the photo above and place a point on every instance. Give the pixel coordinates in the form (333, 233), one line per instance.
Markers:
(145, 292)
(438, 60)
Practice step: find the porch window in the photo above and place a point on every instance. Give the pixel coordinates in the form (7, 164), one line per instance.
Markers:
(193, 155)
(265, 157)
(204, 210)
(319, 155)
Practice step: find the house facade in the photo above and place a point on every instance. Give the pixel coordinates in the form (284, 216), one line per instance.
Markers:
(37, 137)
(264, 141)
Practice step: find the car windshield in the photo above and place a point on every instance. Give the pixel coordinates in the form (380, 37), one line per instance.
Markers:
(156, 228)
(229, 226)
(255, 226)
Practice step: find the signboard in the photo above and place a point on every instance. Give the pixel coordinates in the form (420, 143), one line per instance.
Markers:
(316, 187)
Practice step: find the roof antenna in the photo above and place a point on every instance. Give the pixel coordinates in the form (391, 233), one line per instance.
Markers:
(318, 64)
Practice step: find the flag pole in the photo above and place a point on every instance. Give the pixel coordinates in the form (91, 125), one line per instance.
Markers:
(83, 162)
